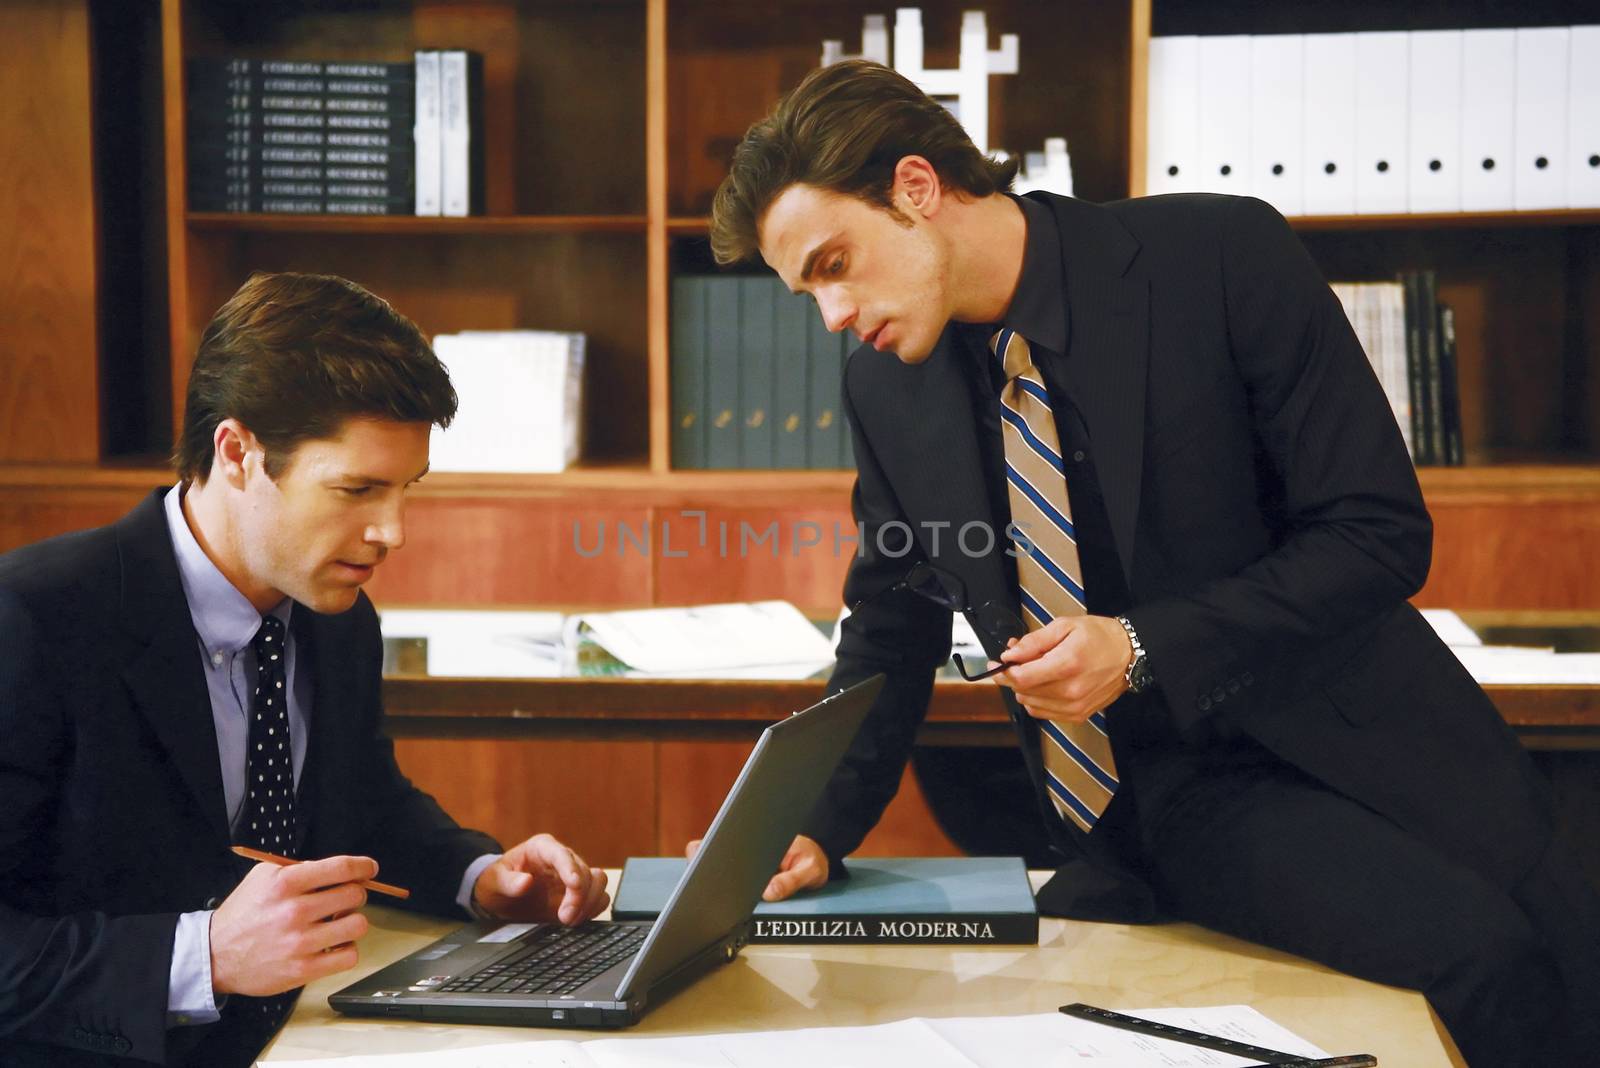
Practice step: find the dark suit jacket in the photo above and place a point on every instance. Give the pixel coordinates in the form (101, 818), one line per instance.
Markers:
(112, 817)
(1265, 513)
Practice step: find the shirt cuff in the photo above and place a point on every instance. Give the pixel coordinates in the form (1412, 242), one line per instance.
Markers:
(470, 880)
(190, 999)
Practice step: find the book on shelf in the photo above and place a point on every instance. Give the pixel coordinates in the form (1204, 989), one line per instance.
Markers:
(1409, 338)
(885, 901)
(1438, 120)
(420, 122)
(521, 401)
(755, 377)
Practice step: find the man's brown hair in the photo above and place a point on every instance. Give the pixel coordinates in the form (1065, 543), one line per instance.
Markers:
(843, 129)
(292, 356)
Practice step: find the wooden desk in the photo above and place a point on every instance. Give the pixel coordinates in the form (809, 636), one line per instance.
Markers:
(784, 987)
(961, 713)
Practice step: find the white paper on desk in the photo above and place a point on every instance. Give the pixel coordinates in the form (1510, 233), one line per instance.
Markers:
(490, 644)
(1450, 627)
(1511, 666)
(711, 639)
(559, 1054)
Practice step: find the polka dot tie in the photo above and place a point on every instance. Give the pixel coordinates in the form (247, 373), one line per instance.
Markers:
(268, 821)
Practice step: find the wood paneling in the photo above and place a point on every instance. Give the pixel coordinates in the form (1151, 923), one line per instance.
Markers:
(1500, 555)
(597, 797)
(49, 408)
(695, 776)
(797, 554)
(515, 551)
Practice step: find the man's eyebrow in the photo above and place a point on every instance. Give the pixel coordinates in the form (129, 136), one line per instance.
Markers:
(369, 480)
(811, 258)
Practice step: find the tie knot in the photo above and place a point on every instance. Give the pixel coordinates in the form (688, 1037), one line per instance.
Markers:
(270, 637)
(1013, 352)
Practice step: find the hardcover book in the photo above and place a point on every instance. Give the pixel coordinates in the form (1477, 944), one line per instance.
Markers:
(885, 901)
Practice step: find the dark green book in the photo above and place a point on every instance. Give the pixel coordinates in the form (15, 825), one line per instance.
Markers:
(822, 450)
(722, 372)
(1450, 388)
(688, 372)
(886, 900)
(794, 315)
(757, 371)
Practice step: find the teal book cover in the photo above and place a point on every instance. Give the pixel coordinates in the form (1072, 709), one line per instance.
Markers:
(886, 900)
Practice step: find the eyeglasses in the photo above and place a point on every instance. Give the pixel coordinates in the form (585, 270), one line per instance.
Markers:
(992, 620)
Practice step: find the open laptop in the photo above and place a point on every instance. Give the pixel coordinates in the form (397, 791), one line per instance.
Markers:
(605, 974)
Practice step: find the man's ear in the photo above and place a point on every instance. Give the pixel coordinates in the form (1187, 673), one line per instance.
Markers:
(233, 450)
(916, 187)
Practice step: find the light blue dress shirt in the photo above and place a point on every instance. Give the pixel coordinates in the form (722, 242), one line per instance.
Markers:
(225, 622)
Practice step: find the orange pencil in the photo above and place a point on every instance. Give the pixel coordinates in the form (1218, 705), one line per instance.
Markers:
(284, 862)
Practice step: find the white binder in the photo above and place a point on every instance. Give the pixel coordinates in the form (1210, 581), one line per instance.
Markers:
(427, 132)
(1383, 63)
(1541, 117)
(1488, 82)
(1330, 124)
(1224, 114)
(1433, 170)
(1277, 121)
(1173, 138)
(1583, 119)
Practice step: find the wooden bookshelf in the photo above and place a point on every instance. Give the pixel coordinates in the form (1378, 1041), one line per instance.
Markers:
(416, 224)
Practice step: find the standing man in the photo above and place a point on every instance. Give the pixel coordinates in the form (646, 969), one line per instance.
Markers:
(1231, 712)
(205, 673)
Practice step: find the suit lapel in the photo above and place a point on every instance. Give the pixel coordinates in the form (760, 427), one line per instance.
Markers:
(938, 475)
(163, 674)
(1108, 338)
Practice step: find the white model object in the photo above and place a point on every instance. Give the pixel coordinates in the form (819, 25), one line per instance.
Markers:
(1050, 170)
(965, 89)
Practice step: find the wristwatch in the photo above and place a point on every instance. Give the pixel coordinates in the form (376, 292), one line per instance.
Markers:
(1138, 676)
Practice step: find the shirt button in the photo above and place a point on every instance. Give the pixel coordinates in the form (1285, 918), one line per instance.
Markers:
(1078, 456)
(216, 659)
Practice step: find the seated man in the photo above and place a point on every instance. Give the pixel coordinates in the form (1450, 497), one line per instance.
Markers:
(205, 673)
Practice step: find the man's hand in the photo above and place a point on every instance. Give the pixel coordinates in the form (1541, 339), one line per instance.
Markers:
(539, 881)
(1069, 669)
(285, 926)
(804, 867)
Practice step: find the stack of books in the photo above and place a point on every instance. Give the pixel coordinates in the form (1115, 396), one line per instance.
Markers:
(338, 137)
(301, 136)
(1410, 338)
(521, 401)
(755, 377)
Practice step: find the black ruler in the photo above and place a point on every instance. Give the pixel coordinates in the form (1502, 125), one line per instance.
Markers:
(1270, 1058)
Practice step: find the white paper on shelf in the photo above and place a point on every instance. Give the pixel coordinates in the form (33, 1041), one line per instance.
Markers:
(492, 644)
(958, 1042)
(713, 639)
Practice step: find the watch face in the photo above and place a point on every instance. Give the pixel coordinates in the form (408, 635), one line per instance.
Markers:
(1138, 675)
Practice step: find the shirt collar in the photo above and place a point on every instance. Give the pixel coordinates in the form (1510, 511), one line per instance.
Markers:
(223, 617)
(1037, 310)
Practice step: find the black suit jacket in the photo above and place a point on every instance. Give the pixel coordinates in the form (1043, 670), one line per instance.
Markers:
(112, 816)
(1267, 518)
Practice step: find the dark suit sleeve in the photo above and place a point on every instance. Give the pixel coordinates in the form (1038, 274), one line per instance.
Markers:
(87, 981)
(415, 842)
(1358, 538)
(904, 636)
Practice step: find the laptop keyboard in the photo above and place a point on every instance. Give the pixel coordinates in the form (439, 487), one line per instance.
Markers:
(556, 960)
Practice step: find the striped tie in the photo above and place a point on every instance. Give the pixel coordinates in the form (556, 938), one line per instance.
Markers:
(1081, 775)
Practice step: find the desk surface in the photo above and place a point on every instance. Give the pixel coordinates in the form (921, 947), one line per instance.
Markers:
(784, 987)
